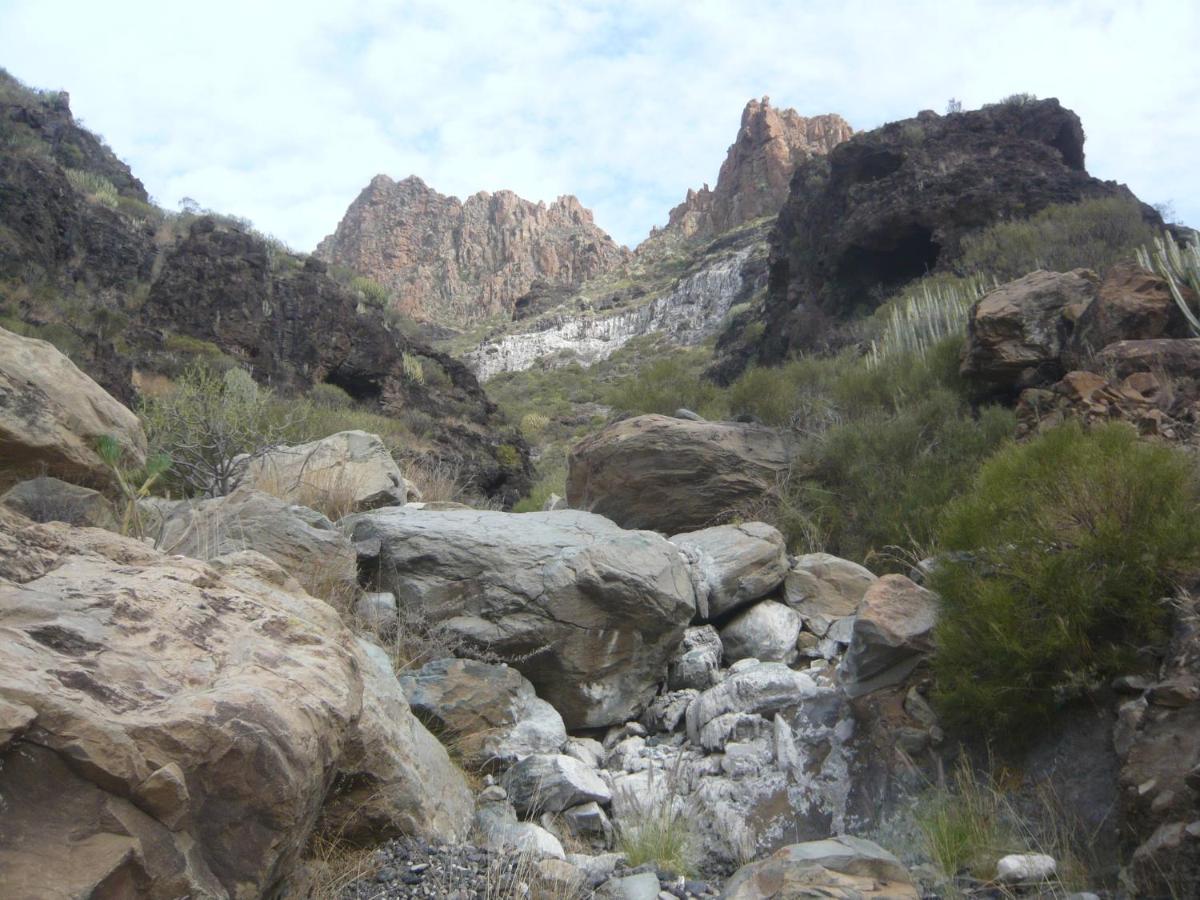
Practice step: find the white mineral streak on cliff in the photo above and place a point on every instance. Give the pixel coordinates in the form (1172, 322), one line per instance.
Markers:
(688, 313)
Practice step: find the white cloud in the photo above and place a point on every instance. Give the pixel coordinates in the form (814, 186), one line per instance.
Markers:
(282, 111)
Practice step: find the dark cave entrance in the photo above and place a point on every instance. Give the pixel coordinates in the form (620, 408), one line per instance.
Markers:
(362, 387)
(895, 257)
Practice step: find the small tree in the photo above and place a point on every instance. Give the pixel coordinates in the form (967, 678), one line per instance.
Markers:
(212, 426)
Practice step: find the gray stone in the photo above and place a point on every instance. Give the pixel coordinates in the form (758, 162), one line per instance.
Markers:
(588, 751)
(588, 820)
(588, 612)
(598, 868)
(377, 611)
(668, 710)
(47, 499)
(766, 631)
(842, 866)
(824, 588)
(643, 886)
(490, 712)
(302, 541)
(893, 630)
(351, 470)
(733, 726)
(682, 413)
(763, 689)
(733, 565)
(696, 662)
(1017, 868)
(553, 782)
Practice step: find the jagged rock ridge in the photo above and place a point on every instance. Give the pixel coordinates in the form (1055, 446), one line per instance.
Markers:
(454, 262)
(753, 181)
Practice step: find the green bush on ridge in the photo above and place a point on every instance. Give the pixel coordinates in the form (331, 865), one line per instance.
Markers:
(1073, 540)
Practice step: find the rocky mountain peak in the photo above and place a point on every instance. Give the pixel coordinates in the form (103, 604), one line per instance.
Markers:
(753, 181)
(454, 262)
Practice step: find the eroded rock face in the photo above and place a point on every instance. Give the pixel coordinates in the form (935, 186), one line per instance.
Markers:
(1017, 333)
(172, 727)
(674, 475)
(46, 499)
(453, 262)
(52, 415)
(888, 205)
(765, 631)
(753, 181)
(1131, 304)
(489, 712)
(588, 612)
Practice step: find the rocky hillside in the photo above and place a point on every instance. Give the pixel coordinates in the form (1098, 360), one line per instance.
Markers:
(895, 203)
(134, 293)
(452, 262)
(753, 181)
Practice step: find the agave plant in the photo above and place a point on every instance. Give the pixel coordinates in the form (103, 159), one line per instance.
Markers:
(1180, 267)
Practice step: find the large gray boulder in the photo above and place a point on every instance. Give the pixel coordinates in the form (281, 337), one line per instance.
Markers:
(588, 612)
(766, 631)
(893, 630)
(759, 689)
(553, 782)
(675, 475)
(842, 866)
(734, 564)
(52, 415)
(301, 540)
(173, 728)
(490, 713)
(350, 471)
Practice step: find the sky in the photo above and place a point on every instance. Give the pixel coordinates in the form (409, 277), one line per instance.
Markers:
(281, 112)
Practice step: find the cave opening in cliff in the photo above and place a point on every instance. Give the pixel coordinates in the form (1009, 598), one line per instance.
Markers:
(871, 273)
(359, 385)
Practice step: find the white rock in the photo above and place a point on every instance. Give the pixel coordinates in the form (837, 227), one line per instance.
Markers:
(766, 631)
(547, 782)
(1025, 867)
(733, 564)
(696, 662)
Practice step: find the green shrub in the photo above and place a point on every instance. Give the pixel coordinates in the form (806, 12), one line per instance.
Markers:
(206, 420)
(410, 367)
(329, 396)
(508, 456)
(1075, 537)
(533, 424)
(96, 188)
(667, 384)
(190, 346)
(1093, 234)
(371, 291)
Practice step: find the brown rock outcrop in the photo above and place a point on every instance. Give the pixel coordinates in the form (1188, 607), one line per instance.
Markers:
(674, 475)
(52, 415)
(454, 262)
(753, 181)
(174, 728)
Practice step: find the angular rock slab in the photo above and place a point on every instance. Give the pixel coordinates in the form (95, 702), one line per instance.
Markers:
(675, 475)
(588, 612)
(553, 782)
(1017, 332)
(733, 564)
(188, 722)
(353, 467)
(761, 689)
(489, 712)
(52, 415)
(841, 866)
(824, 588)
(301, 540)
(893, 630)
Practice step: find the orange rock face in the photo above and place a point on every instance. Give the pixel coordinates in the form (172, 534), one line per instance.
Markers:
(753, 181)
(455, 262)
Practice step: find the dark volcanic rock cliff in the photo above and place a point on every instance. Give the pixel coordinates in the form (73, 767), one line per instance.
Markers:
(889, 205)
(453, 262)
(129, 292)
